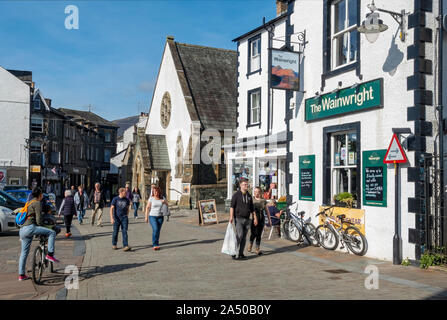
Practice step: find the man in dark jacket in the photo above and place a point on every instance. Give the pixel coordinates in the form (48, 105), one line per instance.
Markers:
(97, 201)
(241, 208)
(68, 209)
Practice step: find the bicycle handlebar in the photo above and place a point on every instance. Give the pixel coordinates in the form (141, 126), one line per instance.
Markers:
(324, 210)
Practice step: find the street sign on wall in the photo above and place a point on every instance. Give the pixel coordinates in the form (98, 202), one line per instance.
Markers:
(374, 178)
(363, 96)
(307, 178)
(395, 153)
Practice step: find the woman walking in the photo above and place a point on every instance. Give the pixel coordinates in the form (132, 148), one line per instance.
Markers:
(68, 209)
(81, 203)
(260, 205)
(136, 197)
(154, 214)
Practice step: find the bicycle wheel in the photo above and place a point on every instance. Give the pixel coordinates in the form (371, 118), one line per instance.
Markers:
(310, 234)
(294, 232)
(326, 237)
(37, 265)
(355, 240)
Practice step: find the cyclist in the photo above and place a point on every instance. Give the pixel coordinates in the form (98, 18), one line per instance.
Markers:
(32, 227)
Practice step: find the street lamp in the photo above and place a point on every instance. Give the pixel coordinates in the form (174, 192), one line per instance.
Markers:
(372, 26)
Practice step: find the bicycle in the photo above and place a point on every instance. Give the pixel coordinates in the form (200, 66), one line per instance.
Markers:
(329, 236)
(297, 228)
(39, 261)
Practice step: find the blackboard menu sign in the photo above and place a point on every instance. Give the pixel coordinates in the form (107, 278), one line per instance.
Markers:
(374, 178)
(307, 178)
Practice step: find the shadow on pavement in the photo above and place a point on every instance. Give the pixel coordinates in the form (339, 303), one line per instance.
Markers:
(137, 248)
(92, 235)
(439, 296)
(14, 233)
(191, 243)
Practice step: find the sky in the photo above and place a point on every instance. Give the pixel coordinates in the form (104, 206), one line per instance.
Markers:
(111, 62)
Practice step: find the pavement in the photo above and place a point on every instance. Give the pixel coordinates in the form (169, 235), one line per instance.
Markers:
(191, 266)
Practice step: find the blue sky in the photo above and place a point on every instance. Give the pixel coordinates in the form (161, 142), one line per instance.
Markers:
(112, 61)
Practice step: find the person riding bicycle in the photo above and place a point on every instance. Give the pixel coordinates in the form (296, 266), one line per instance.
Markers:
(36, 224)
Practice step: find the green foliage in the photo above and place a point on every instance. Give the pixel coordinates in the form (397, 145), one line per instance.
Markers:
(406, 262)
(345, 198)
(433, 258)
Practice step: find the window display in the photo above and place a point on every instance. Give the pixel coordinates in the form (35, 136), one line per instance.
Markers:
(242, 169)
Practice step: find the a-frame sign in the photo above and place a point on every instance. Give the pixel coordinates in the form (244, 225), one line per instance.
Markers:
(395, 152)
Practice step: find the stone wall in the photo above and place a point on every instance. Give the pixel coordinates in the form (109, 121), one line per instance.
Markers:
(210, 191)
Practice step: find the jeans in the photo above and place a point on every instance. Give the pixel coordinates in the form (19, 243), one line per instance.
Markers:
(123, 222)
(81, 214)
(156, 223)
(26, 236)
(136, 205)
(242, 226)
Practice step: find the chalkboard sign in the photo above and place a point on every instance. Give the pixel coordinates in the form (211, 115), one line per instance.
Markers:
(207, 212)
(307, 178)
(374, 178)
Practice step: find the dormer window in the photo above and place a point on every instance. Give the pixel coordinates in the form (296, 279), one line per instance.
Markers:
(37, 104)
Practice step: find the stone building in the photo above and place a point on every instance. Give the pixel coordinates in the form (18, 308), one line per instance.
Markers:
(195, 92)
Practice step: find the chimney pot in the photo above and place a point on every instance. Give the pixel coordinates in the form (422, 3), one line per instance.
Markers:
(281, 7)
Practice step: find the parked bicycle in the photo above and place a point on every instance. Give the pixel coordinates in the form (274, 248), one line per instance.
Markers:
(297, 227)
(39, 261)
(331, 232)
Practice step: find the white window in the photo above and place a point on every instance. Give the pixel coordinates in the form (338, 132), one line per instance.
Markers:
(35, 146)
(255, 107)
(107, 155)
(36, 124)
(344, 163)
(107, 137)
(344, 32)
(255, 54)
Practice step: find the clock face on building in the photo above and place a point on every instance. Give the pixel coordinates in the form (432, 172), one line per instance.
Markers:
(165, 110)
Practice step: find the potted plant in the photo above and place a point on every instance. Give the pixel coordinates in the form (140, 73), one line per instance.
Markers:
(344, 199)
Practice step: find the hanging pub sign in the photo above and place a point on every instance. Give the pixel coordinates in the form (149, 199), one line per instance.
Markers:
(355, 98)
(307, 178)
(285, 70)
(374, 178)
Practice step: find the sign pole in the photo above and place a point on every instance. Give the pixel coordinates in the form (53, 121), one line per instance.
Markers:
(396, 238)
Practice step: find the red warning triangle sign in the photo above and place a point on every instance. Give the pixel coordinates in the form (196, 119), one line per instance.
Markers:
(395, 153)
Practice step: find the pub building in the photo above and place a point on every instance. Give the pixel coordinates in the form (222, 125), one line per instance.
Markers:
(356, 88)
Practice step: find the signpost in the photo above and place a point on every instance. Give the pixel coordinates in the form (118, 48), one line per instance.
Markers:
(395, 154)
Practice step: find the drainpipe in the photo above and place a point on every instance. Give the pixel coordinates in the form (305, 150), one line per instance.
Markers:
(440, 119)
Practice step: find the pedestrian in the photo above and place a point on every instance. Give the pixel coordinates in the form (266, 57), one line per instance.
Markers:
(128, 193)
(49, 187)
(32, 227)
(154, 214)
(119, 211)
(136, 197)
(97, 203)
(81, 202)
(73, 191)
(241, 209)
(260, 205)
(68, 209)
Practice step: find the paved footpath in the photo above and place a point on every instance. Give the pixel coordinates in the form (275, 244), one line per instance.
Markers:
(190, 266)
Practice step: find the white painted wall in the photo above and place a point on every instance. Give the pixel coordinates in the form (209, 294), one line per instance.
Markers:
(376, 124)
(15, 110)
(180, 119)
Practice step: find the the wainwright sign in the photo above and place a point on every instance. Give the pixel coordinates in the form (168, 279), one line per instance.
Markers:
(284, 72)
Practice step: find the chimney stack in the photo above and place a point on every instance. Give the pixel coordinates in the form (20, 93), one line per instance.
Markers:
(281, 7)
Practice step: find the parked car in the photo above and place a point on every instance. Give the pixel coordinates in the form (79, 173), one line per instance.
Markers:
(14, 187)
(7, 219)
(21, 195)
(9, 201)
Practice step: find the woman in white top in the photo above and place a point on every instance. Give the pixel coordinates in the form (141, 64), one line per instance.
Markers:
(154, 214)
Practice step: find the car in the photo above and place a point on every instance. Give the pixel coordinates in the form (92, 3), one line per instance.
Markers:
(9, 202)
(7, 219)
(21, 195)
(14, 187)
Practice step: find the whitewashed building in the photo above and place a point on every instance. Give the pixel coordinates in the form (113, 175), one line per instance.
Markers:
(15, 129)
(352, 95)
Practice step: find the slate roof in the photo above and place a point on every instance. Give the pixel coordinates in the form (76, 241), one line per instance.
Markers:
(158, 152)
(125, 123)
(88, 116)
(209, 78)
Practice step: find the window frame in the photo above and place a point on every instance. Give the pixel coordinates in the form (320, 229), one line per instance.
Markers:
(31, 124)
(38, 103)
(328, 133)
(109, 135)
(110, 154)
(35, 144)
(249, 67)
(249, 107)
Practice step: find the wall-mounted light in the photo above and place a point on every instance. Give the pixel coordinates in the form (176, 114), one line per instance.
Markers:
(372, 26)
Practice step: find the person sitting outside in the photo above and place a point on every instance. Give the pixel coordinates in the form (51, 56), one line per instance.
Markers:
(275, 215)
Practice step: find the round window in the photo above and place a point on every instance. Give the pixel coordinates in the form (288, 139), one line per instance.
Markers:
(165, 110)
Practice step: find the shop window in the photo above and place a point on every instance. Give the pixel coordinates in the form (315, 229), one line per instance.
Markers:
(341, 160)
(267, 175)
(254, 107)
(242, 170)
(254, 55)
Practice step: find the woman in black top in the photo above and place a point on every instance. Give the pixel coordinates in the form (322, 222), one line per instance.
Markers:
(256, 230)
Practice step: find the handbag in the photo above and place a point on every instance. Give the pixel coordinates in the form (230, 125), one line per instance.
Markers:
(165, 210)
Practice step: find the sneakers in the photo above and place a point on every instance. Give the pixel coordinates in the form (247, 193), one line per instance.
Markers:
(114, 247)
(68, 235)
(136, 218)
(127, 248)
(156, 248)
(250, 246)
(24, 277)
(52, 259)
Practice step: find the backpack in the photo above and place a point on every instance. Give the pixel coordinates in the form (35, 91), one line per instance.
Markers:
(22, 214)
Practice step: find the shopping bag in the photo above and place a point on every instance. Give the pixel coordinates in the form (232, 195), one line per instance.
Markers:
(230, 243)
